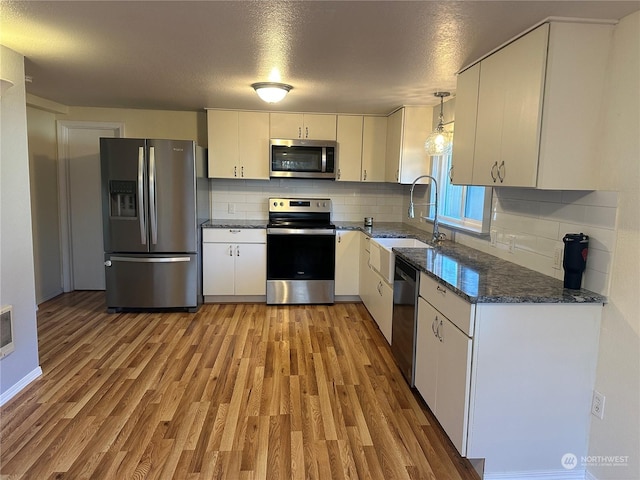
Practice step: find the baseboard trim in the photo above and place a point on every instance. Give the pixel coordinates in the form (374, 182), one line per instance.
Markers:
(576, 474)
(20, 385)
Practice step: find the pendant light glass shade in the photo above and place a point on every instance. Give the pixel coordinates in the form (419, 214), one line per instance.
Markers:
(440, 141)
(271, 92)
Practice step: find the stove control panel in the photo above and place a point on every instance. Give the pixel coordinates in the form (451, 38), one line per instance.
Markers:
(307, 205)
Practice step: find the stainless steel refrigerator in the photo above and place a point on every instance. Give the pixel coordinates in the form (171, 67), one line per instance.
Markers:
(154, 199)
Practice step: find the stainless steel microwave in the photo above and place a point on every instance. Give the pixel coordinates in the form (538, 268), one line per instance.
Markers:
(303, 158)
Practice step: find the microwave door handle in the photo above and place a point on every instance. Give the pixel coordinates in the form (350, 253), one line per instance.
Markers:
(141, 205)
(324, 159)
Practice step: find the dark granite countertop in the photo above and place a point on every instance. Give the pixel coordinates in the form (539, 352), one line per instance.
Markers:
(474, 275)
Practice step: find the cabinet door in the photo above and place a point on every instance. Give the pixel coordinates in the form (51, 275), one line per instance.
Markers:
(509, 112)
(453, 383)
(394, 146)
(319, 127)
(374, 148)
(347, 263)
(413, 160)
(222, 129)
(218, 271)
(286, 125)
(465, 126)
(382, 306)
(253, 145)
(349, 135)
(427, 347)
(250, 268)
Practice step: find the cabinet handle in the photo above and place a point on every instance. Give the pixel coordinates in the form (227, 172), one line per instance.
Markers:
(231, 250)
(306, 132)
(397, 175)
(235, 171)
(338, 174)
(433, 326)
(299, 132)
(238, 251)
(339, 237)
(442, 290)
(451, 174)
(380, 288)
(502, 169)
(364, 176)
(494, 169)
(440, 328)
(242, 171)
(234, 231)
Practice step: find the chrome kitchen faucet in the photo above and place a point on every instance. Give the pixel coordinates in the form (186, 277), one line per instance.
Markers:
(437, 236)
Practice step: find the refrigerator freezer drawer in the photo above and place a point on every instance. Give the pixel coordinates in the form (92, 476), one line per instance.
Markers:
(151, 281)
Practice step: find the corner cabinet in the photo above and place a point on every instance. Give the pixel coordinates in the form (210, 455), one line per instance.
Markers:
(234, 262)
(362, 143)
(303, 125)
(508, 378)
(407, 130)
(526, 116)
(238, 144)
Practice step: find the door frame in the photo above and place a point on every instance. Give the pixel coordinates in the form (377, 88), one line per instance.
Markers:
(63, 128)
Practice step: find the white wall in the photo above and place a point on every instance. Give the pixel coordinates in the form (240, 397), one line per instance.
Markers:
(618, 374)
(16, 251)
(43, 172)
(352, 201)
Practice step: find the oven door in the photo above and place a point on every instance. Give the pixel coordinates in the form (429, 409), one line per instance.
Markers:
(300, 265)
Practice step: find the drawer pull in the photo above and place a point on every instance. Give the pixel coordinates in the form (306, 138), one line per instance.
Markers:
(442, 290)
(234, 231)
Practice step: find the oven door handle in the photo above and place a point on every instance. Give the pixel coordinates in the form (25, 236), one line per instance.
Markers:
(301, 231)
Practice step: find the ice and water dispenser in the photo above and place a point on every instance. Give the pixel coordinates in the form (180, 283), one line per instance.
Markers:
(123, 198)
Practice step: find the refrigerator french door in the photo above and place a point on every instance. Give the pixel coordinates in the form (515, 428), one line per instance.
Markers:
(150, 215)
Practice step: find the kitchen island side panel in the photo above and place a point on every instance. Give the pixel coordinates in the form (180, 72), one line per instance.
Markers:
(533, 372)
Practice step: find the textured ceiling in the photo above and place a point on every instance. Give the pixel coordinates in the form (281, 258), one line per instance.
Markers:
(346, 56)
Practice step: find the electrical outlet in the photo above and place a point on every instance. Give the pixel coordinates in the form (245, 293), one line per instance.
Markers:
(232, 208)
(557, 258)
(512, 243)
(597, 404)
(494, 237)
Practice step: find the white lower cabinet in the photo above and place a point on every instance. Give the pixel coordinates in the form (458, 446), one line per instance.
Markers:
(376, 294)
(347, 263)
(234, 262)
(443, 369)
(509, 382)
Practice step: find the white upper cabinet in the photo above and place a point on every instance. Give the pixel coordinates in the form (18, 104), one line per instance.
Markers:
(303, 125)
(407, 130)
(374, 149)
(527, 115)
(238, 144)
(349, 135)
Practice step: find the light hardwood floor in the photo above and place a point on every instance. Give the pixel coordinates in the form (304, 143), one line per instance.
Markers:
(232, 392)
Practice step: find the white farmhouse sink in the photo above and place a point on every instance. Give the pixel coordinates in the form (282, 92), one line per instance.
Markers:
(382, 258)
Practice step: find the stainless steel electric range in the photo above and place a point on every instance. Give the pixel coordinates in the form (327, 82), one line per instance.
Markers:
(300, 251)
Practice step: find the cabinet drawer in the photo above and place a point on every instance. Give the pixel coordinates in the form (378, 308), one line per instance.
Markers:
(234, 235)
(458, 311)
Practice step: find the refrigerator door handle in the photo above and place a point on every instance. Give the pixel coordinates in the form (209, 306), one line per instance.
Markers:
(146, 260)
(141, 207)
(153, 206)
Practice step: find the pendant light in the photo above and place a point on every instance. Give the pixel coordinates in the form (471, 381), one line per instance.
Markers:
(271, 92)
(440, 141)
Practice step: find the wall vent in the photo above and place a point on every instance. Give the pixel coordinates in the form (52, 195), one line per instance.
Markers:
(6, 331)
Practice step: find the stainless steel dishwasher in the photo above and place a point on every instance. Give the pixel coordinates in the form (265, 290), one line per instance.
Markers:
(403, 329)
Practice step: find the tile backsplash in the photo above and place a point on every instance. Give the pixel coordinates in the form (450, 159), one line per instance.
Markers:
(352, 201)
(538, 219)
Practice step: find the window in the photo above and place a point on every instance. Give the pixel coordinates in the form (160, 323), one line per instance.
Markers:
(460, 207)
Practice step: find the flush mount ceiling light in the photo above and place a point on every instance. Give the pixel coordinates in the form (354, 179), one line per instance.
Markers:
(271, 92)
(440, 141)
